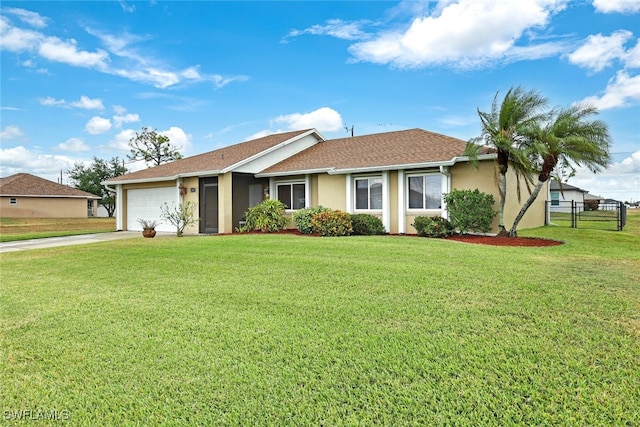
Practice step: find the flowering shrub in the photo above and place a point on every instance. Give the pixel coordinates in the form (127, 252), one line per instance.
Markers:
(366, 224)
(302, 218)
(434, 226)
(332, 223)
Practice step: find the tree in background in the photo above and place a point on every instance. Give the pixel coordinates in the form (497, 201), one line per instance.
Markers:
(90, 178)
(504, 129)
(570, 138)
(152, 147)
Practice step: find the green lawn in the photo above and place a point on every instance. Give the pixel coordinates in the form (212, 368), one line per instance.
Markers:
(290, 330)
(12, 229)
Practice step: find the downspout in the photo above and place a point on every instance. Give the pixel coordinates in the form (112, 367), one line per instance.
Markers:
(445, 189)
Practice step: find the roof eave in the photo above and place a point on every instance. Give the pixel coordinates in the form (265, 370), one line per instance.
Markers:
(57, 196)
(451, 162)
(293, 172)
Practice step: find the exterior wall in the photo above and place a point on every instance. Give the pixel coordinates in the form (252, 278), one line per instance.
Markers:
(394, 208)
(44, 207)
(225, 203)
(192, 196)
(465, 176)
(332, 191)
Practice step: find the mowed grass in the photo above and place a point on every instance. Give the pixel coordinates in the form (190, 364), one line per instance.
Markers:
(290, 330)
(12, 229)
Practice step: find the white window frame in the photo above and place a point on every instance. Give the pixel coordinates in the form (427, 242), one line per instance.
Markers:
(355, 193)
(13, 201)
(408, 191)
(291, 183)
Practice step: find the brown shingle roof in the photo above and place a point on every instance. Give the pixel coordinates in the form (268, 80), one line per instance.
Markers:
(24, 184)
(216, 160)
(407, 147)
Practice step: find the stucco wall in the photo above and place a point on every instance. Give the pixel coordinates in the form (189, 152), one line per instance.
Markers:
(44, 207)
(332, 191)
(189, 183)
(465, 176)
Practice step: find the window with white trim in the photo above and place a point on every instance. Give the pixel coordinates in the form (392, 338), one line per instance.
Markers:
(424, 191)
(291, 194)
(13, 201)
(368, 193)
(555, 199)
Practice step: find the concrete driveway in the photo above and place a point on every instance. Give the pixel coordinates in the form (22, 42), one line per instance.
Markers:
(51, 242)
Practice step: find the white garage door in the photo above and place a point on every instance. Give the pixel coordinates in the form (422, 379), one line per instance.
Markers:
(145, 203)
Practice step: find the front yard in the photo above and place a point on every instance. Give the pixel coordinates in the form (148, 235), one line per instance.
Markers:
(12, 229)
(292, 330)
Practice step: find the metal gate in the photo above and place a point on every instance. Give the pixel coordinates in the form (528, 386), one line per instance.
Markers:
(589, 214)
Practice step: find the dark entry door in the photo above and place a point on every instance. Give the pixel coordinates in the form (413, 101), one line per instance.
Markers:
(209, 222)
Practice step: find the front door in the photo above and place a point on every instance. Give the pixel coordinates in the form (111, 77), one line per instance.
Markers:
(209, 223)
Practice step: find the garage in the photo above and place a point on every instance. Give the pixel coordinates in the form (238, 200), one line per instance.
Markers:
(145, 203)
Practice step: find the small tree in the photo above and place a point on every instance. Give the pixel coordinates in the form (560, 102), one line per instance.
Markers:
(267, 217)
(90, 178)
(152, 147)
(180, 216)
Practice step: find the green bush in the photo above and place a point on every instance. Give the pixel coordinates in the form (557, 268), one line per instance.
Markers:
(302, 218)
(434, 226)
(332, 223)
(267, 217)
(366, 225)
(470, 210)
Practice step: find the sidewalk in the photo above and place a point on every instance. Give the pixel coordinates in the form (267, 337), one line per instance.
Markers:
(52, 242)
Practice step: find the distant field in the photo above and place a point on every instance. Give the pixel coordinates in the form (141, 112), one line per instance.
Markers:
(34, 228)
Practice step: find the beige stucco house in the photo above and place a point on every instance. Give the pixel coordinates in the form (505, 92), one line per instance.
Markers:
(28, 196)
(395, 176)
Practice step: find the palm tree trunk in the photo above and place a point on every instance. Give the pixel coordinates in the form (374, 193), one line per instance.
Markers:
(502, 188)
(534, 194)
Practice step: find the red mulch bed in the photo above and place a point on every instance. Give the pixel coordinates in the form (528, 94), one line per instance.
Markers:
(466, 238)
(504, 241)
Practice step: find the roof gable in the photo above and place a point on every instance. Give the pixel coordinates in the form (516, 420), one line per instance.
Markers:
(412, 147)
(24, 184)
(217, 161)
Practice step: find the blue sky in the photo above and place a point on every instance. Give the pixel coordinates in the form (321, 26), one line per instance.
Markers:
(80, 78)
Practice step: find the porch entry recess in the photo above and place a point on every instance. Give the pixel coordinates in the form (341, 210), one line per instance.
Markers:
(209, 205)
(589, 214)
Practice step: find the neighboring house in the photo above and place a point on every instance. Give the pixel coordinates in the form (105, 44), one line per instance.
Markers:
(562, 197)
(395, 176)
(27, 196)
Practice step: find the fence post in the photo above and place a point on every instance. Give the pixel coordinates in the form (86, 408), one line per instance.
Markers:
(573, 214)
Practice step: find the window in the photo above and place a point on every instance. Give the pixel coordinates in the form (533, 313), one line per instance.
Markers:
(425, 191)
(368, 193)
(555, 199)
(292, 195)
(13, 201)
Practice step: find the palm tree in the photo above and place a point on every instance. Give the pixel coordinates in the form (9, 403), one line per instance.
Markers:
(570, 138)
(504, 129)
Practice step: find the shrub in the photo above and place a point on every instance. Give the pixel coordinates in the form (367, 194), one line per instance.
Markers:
(366, 225)
(434, 226)
(470, 210)
(591, 204)
(180, 216)
(332, 223)
(267, 217)
(302, 218)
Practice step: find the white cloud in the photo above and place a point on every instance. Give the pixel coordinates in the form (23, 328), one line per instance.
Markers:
(600, 51)
(20, 159)
(97, 125)
(178, 138)
(335, 28)
(619, 6)
(75, 145)
(462, 34)
(88, 103)
(66, 51)
(632, 56)
(119, 110)
(17, 39)
(118, 120)
(130, 8)
(31, 18)
(621, 91)
(10, 132)
(50, 101)
(121, 140)
(324, 119)
(621, 181)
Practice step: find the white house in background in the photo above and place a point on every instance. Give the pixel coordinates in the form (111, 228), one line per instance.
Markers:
(561, 198)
